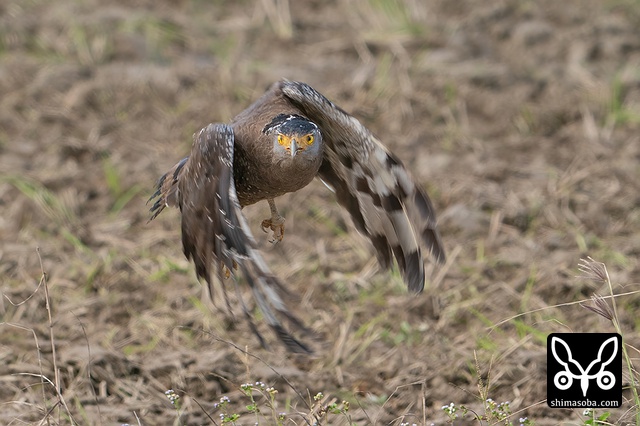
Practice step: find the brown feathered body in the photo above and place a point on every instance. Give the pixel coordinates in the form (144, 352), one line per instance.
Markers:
(234, 165)
(260, 174)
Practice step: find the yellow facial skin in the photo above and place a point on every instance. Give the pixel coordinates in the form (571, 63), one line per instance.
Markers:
(294, 143)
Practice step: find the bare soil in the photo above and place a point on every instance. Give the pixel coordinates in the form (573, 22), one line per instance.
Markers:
(520, 118)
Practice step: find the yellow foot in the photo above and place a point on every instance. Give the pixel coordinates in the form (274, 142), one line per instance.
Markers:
(226, 271)
(276, 224)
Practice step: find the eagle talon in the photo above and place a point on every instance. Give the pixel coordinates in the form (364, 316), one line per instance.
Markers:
(276, 225)
(226, 271)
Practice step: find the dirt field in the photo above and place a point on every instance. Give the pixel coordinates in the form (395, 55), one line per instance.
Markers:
(520, 118)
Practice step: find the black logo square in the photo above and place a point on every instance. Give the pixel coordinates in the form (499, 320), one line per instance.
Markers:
(584, 370)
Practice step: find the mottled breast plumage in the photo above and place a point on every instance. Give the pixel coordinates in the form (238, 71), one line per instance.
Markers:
(265, 166)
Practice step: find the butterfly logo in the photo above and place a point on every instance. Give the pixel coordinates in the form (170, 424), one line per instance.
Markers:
(564, 379)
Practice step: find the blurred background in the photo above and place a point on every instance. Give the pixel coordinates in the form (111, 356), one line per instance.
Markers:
(520, 118)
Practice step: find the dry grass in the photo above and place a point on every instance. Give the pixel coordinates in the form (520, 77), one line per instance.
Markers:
(520, 119)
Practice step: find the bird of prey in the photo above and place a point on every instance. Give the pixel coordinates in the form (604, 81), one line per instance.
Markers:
(285, 139)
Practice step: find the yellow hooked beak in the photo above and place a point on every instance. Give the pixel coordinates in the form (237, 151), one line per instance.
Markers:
(295, 144)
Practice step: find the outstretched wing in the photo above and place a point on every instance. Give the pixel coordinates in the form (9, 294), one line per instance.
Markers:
(384, 201)
(214, 231)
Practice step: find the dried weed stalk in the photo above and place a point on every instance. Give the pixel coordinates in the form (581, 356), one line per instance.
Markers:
(597, 271)
(55, 383)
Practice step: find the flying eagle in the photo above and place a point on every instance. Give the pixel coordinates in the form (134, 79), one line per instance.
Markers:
(286, 138)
